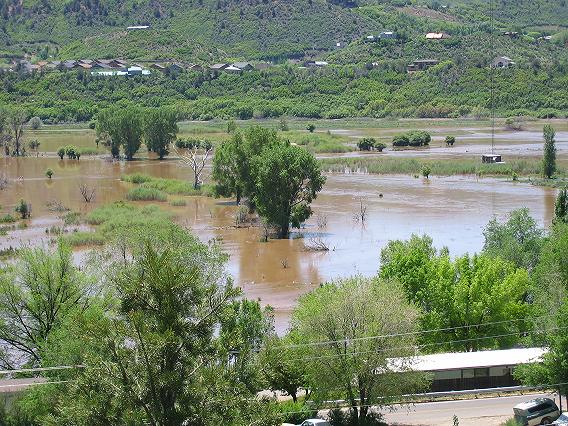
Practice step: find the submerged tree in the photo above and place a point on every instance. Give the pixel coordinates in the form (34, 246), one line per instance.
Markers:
(287, 179)
(123, 126)
(549, 156)
(160, 130)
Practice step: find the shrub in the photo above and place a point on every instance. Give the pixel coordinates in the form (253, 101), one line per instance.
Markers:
(49, 173)
(379, 146)
(400, 140)
(450, 140)
(61, 152)
(24, 209)
(35, 123)
(92, 125)
(311, 127)
(295, 412)
(72, 152)
(8, 218)
(426, 171)
(366, 144)
(142, 193)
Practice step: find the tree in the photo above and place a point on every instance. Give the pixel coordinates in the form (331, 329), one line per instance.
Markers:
(24, 209)
(350, 314)
(49, 173)
(195, 159)
(279, 369)
(61, 152)
(518, 240)
(554, 366)
(426, 171)
(380, 146)
(36, 295)
(456, 295)
(160, 130)
(311, 127)
(400, 140)
(287, 180)
(227, 168)
(561, 206)
(244, 328)
(16, 119)
(450, 140)
(549, 156)
(124, 127)
(158, 361)
(35, 123)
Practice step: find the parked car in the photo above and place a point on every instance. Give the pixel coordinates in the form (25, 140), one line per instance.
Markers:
(315, 422)
(539, 411)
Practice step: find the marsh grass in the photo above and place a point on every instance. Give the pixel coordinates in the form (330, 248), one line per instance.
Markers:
(319, 143)
(413, 166)
(142, 193)
(121, 220)
(169, 186)
(178, 203)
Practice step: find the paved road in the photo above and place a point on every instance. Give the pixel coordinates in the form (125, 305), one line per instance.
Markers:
(486, 411)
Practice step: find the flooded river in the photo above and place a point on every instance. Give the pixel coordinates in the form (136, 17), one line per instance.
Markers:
(452, 210)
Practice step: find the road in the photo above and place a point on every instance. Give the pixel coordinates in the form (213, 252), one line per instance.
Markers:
(485, 411)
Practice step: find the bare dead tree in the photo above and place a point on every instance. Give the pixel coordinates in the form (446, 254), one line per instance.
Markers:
(284, 263)
(56, 206)
(195, 159)
(316, 244)
(87, 192)
(361, 214)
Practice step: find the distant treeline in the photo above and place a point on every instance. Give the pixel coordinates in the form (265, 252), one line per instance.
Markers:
(446, 90)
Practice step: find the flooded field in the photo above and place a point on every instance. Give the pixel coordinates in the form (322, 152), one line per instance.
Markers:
(453, 210)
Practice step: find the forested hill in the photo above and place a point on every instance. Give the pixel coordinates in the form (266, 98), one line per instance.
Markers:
(210, 30)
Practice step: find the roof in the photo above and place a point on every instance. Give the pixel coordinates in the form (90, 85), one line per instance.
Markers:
(219, 66)
(232, 68)
(242, 64)
(425, 61)
(17, 385)
(533, 402)
(505, 58)
(138, 27)
(463, 360)
(435, 36)
(135, 69)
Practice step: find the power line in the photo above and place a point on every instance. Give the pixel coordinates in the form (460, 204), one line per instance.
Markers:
(416, 347)
(39, 369)
(410, 333)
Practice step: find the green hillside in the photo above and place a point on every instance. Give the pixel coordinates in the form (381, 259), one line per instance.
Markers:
(209, 30)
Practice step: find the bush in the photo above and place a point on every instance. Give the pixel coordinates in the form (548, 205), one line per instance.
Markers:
(400, 140)
(366, 144)
(342, 417)
(379, 146)
(24, 209)
(8, 218)
(92, 125)
(189, 143)
(142, 193)
(419, 138)
(49, 173)
(450, 140)
(35, 123)
(426, 171)
(61, 152)
(311, 127)
(72, 152)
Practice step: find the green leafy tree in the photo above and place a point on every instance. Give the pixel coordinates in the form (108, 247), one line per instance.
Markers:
(227, 168)
(15, 121)
(49, 173)
(518, 240)
(279, 368)
(61, 152)
(554, 366)
(349, 314)
(561, 206)
(549, 156)
(426, 171)
(244, 328)
(450, 140)
(457, 294)
(160, 130)
(287, 180)
(36, 295)
(311, 127)
(124, 127)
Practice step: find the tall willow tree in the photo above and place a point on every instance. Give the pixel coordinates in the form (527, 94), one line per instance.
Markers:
(549, 156)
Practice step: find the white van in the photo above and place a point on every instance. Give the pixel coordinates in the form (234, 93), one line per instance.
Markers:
(539, 411)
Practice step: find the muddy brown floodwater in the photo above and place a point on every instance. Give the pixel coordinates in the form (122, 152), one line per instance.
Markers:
(452, 210)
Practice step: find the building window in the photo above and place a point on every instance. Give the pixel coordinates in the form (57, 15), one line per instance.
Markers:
(481, 372)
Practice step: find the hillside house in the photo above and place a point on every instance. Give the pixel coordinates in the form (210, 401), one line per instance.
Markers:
(218, 67)
(137, 27)
(437, 36)
(502, 62)
(421, 65)
(158, 66)
(69, 64)
(195, 67)
(243, 66)
(387, 35)
(318, 64)
(232, 69)
(370, 39)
